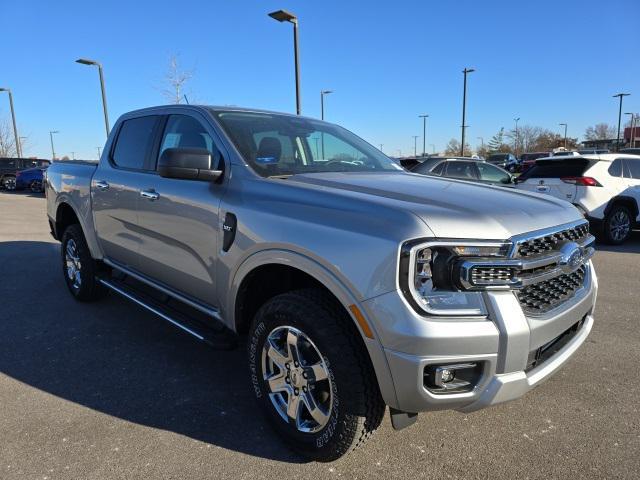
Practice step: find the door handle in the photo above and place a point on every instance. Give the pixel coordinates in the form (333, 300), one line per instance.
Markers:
(102, 185)
(149, 195)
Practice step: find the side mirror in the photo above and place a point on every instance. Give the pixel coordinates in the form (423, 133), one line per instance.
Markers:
(187, 164)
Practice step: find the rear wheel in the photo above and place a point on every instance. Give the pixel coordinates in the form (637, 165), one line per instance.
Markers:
(36, 186)
(312, 375)
(617, 225)
(9, 183)
(78, 267)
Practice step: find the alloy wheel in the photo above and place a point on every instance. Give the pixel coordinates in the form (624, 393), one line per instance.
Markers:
(73, 264)
(620, 225)
(297, 379)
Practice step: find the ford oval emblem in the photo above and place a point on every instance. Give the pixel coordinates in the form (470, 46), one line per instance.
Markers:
(572, 257)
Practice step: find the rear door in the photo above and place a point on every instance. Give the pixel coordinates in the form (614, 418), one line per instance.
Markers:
(461, 170)
(555, 177)
(115, 189)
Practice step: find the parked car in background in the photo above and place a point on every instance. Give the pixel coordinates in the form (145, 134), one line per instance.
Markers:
(508, 161)
(464, 168)
(31, 179)
(606, 188)
(633, 151)
(356, 284)
(565, 153)
(594, 151)
(527, 160)
(10, 166)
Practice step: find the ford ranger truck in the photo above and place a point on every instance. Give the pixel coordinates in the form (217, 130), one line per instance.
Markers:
(355, 284)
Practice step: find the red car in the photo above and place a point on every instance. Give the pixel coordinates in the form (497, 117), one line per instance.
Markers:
(527, 160)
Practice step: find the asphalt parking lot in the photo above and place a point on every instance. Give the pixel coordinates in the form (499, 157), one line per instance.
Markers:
(106, 390)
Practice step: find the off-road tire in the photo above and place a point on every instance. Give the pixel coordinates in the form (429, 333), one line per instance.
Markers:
(358, 407)
(89, 289)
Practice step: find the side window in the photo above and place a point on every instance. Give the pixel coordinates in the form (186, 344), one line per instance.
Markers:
(462, 170)
(183, 131)
(615, 169)
(134, 141)
(9, 163)
(633, 167)
(439, 170)
(29, 163)
(491, 173)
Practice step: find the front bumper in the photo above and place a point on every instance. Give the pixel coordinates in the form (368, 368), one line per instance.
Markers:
(502, 343)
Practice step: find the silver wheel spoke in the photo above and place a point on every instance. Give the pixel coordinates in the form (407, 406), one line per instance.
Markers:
(292, 345)
(293, 408)
(314, 409)
(277, 383)
(274, 354)
(319, 372)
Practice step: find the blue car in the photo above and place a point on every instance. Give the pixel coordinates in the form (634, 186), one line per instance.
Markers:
(30, 178)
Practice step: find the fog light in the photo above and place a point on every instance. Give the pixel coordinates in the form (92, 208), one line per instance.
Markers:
(452, 378)
(446, 375)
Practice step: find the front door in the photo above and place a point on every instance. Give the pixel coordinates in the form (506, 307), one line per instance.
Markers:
(115, 190)
(178, 219)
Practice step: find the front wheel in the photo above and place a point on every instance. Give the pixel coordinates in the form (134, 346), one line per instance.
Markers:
(78, 267)
(36, 186)
(617, 225)
(9, 183)
(312, 375)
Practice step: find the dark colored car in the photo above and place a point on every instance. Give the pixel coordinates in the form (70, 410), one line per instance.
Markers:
(10, 166)
(464, 168)
(30, 178)
(528, 160)
(632, 150)
(508, 161)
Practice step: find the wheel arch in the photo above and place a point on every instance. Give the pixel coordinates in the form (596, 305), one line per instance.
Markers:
(629, 202)
(298, 271)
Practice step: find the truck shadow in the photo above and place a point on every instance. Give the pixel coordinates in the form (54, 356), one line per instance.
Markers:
(117, 359)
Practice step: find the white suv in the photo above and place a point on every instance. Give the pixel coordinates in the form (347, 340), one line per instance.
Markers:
(606, 188)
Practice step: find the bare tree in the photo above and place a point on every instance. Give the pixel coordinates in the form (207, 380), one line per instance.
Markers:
(176, 78)
(600, 131)
(7, 139)
(453, 148)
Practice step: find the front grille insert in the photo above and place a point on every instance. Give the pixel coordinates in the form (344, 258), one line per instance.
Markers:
(489, 275)
(542, 297)
(552, 241)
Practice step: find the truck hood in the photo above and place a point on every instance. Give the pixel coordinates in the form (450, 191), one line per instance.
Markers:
(452, 208)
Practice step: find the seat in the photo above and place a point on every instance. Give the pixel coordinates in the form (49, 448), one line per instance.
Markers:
(269, 151)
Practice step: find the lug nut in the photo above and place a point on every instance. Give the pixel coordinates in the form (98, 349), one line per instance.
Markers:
(287, 365)
(304, 375)
(296, 364)
(296, 391)
(286, 379)
(304, 389)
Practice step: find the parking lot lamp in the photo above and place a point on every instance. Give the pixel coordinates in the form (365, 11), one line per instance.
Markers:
(481, 142)
(619, 95)
(53, 150)
(565, 134)
(99, 153)
(13, 118)
(632, 125)
(464, 106)
(424, 133)
(85, 61)
(284, 16)
(415, 145)
(322, 94)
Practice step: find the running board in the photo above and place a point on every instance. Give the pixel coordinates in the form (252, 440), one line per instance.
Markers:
(224, 339)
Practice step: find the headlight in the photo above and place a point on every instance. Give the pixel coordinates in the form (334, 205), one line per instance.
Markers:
(430, 275)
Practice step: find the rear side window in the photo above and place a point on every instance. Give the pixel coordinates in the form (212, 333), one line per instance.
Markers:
(558, 168)
(463, 170)
(134, 142)
(633, 167)
(615, 169)
(439, 169)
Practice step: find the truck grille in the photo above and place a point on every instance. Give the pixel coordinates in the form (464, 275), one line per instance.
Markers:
(488, 275)
(550, 242)
(544, 296)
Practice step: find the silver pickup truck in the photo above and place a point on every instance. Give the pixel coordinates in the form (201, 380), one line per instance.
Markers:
(355, 284)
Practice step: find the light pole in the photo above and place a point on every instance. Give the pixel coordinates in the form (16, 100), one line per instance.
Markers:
(99, 153)
(13, 118)
(284, 16)
(516, 141)
(424, 133)
(464, 106)
(322, 94)
(620, 95)
(565, 134)
(22, 139)
(53, 150)
(632, 124)
(433, 148)
(481, 142)
(85, 61)
(415, 145)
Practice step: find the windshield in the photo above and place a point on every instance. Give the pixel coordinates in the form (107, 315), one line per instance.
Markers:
(279, 145)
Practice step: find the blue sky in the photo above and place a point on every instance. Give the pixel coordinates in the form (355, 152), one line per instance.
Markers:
(543, 61)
